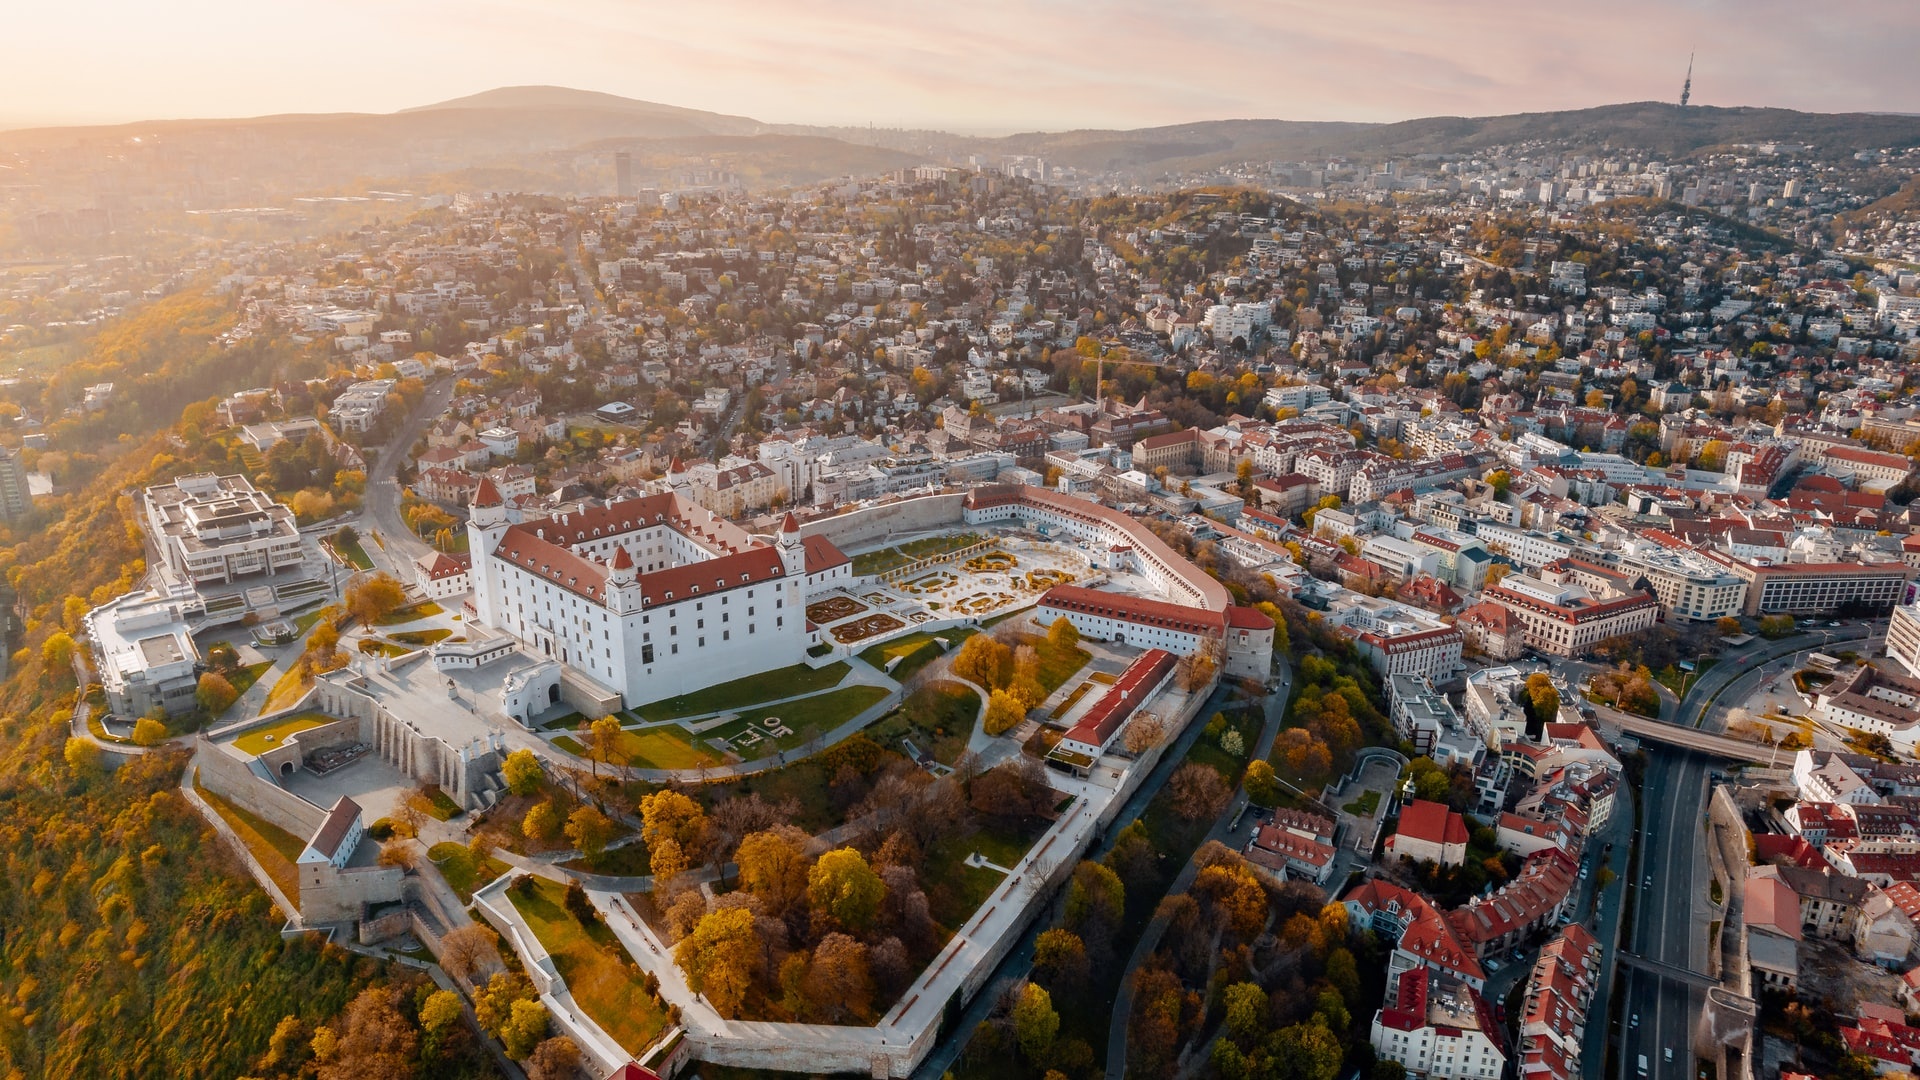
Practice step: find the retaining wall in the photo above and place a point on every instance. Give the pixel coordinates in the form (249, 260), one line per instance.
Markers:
(232, 779)
(870, 526)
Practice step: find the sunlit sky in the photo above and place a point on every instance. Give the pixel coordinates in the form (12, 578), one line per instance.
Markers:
(973, 65)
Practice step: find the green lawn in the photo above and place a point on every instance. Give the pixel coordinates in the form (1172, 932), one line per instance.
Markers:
(629, 861)
(919, 648)
(354, 554)
(805, 718)
(275, 848)
(1056, 665)
(1365, 805)
(421, 637)
(462, 871)
(954, 889)
(742, 693)
(440, 805)
(653, 748)
(879, 562)
(603, 979)
(421, 610)
(1208, 751)
(938, 718)
(267, 736)
(243, 678)
(304, 623)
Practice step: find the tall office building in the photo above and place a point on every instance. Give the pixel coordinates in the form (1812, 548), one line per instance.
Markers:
(623, 174)
(15, 499)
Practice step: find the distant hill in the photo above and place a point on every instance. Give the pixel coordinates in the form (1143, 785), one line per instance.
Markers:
(563, 140)
(561, 99)
(1662, 129)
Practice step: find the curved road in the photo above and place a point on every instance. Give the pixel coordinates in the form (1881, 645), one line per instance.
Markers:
(382, 507)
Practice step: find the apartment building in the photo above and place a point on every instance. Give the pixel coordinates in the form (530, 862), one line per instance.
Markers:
(1805, 588)
(1564, 618)
(1441, 1029)
(1903, 638)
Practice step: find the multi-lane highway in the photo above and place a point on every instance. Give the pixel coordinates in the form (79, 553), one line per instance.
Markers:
(1672, 911)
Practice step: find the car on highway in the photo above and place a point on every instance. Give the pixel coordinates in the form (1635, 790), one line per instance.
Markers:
(1636, 1019)
(1669, 1055)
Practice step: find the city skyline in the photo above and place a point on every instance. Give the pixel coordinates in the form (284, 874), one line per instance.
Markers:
(996, 67)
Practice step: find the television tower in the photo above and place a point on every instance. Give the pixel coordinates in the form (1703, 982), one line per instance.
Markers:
(1686, 88)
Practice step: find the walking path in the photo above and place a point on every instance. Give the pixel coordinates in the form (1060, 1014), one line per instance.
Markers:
(1228, 822)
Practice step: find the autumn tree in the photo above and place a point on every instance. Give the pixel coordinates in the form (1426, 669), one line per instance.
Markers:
(603, 744)
(589, 830)
(1096, 901)
(842, 885)
(773, 866)
(374, 598)
(721, 958)
(668, 814)
(838, 982)
(374, 1039)
(1263, 787)
(1245, 1011)
(1004, 711)
(1543, 697)
(1197, 792)
(1143, 733)
(522, 772)
(149, 732)
(554, 1059)
(541, 821)
(1062, 636)
(526, 1026)
(1060, 958)
(467, 951)
(82, 756)
(215, 693)
(985, 662)
(1035, 1024)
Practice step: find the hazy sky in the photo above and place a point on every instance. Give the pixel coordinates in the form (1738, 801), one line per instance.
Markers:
(974, 65)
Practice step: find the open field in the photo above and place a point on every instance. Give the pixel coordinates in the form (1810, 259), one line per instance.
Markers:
(266, 737)
(603, 980)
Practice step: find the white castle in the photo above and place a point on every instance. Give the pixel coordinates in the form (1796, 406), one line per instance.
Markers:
(650, 597)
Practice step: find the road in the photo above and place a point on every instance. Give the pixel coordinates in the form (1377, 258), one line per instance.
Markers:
(1670, 889)
(382, 508)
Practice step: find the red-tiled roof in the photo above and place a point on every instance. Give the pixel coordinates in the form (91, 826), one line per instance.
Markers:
(822, 555)
(334, 827)
(1135, 609)
(1432, 822)
(1123, 698)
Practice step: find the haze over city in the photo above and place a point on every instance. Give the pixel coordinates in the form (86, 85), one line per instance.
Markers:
(1012, 540)
(989, 66)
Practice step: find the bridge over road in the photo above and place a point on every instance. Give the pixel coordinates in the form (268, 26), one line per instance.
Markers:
(1694, 739)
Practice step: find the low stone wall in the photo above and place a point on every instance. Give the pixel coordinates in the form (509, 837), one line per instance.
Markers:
(601, 1051)
(231, 779)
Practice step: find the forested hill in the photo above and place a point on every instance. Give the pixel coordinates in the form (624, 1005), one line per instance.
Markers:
(132, 945)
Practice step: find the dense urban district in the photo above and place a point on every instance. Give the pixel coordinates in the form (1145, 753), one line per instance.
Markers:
(1446, 616)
